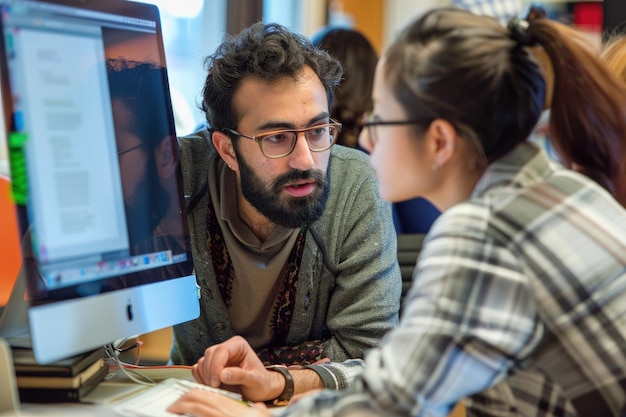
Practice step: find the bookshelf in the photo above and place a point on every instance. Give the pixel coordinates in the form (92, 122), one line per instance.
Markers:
(585, 15)
(614, 16)
(568, 1)
(598, 17)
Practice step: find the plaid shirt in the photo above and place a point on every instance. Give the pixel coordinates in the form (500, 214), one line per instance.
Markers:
(518, 305)
(502, 10)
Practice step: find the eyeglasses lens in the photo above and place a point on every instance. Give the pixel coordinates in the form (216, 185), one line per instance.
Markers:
(319, 138)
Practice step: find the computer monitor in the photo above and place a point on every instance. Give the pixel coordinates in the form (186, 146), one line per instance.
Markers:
(95, 173)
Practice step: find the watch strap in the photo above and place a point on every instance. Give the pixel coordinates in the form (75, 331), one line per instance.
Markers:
(287, 393)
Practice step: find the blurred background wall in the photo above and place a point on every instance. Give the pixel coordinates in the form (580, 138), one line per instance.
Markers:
(193, 28)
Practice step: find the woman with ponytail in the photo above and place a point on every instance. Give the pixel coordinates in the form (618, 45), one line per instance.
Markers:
(517, 305)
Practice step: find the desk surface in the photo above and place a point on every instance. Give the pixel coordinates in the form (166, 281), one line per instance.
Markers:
(116, 388)
(110, 392)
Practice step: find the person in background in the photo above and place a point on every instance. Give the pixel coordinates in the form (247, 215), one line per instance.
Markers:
(294, 248)
(517, 303)
(353, 99)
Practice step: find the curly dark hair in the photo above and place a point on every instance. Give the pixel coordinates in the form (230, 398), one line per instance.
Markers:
(265, 51)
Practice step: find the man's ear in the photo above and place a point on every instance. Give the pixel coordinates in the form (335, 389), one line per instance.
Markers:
(444, 138)
(166, 157)
(224, 145)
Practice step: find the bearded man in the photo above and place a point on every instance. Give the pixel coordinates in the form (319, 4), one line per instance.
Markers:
(294, 249)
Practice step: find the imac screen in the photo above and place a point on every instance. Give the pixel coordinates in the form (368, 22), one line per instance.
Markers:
(95, 172)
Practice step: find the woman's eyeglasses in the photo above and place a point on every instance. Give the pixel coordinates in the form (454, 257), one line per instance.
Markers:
(371, 121)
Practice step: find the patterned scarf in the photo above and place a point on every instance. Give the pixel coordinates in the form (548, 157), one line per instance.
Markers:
(225, 275)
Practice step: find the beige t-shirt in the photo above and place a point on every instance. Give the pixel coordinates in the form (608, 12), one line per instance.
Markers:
(257, 264)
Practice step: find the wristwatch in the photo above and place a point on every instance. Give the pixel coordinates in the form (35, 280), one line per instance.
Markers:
(287, 393)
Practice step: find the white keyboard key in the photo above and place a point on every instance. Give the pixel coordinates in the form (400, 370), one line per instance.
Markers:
(154, 401)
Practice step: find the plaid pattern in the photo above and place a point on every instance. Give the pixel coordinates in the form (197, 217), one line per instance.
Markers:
(517, 305)
(502, 10)
(338, 375)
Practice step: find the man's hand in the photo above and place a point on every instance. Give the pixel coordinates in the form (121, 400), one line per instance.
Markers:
(234, 366)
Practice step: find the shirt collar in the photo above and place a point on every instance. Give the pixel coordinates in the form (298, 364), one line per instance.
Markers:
(523, 165)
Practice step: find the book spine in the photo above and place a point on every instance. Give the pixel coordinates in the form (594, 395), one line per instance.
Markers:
(43, 372)
(60, 382)
(70, 369)
(61, 395)
(40, 395)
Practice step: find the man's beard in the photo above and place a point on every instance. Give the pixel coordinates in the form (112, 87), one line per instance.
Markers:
(290, 212)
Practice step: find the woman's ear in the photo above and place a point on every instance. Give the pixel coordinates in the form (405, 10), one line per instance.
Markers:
(224, 145)
(443, 138)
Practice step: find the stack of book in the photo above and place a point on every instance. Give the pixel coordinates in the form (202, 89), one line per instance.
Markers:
(68, 380)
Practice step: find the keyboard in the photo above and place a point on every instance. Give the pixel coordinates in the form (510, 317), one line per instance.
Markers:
(154, 401)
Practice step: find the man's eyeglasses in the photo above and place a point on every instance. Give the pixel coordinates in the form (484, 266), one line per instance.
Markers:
(370, 121)
(280, 143)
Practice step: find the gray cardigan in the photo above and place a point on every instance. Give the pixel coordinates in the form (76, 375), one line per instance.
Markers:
(349, 280)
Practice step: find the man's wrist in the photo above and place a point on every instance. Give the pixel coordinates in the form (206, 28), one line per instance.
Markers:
(288, 389)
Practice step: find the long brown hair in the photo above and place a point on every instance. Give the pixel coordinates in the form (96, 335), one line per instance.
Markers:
(353, 97)
(588, 109)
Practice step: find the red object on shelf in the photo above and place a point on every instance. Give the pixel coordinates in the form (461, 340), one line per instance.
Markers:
(588, 16)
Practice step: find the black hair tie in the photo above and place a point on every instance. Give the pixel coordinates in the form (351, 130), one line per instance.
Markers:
(518, 29)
